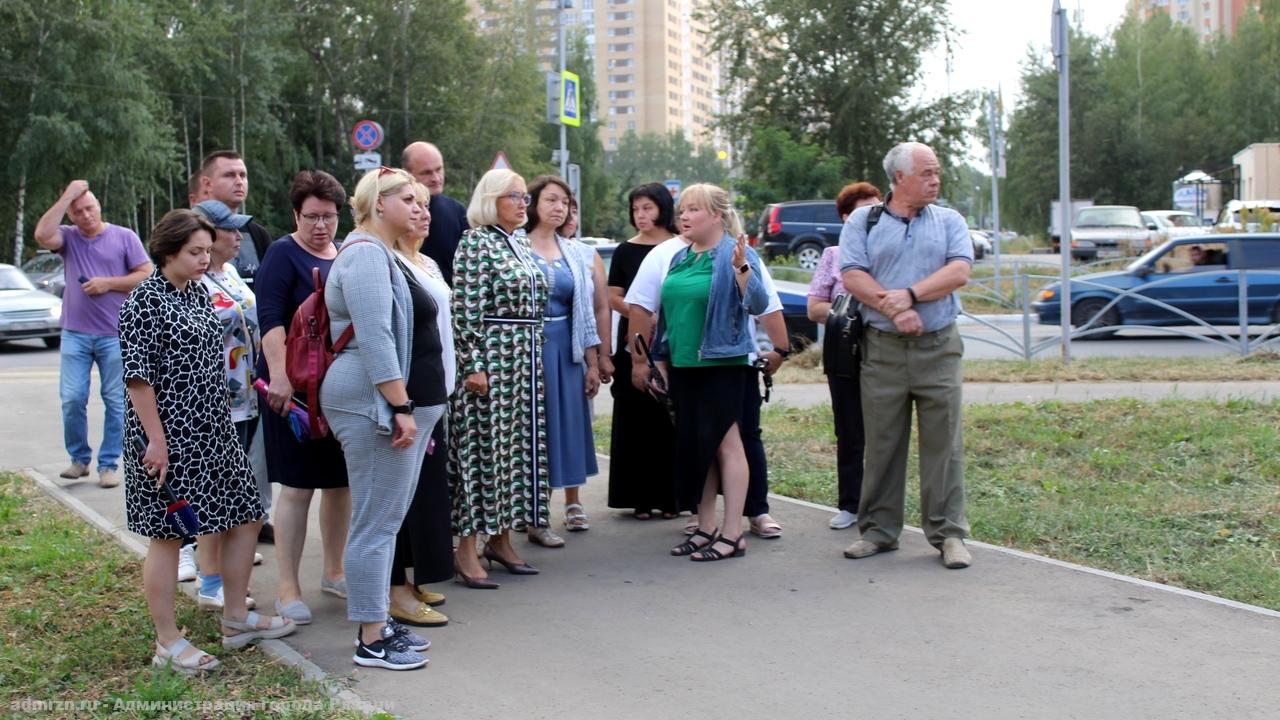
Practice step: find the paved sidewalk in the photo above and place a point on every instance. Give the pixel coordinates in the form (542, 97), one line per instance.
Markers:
(616, 627)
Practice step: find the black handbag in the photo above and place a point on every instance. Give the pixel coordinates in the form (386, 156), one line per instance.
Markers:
(840, 355)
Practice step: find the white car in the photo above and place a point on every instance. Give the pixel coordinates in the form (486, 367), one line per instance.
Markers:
(26, 312)
(1170, 224)
(981, 244)
(1254, 213)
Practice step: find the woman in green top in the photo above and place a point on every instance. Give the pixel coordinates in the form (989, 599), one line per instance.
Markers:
(702, 343)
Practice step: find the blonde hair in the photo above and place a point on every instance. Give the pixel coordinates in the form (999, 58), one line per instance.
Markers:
(483, 209)
(408, 245)
(713, 199)
(375, 184)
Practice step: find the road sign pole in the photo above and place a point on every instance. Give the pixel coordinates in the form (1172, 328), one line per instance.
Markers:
(1061, 42)
(994, 127)
(564, 139)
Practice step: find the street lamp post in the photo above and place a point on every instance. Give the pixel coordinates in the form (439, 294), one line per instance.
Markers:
(1061, 55)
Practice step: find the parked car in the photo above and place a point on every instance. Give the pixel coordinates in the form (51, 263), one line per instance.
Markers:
(801, 229)
(795, 310)
(1201, 281)
(605, 250)
(981, 244)
(45, 272)
(1247, 215)
(26, 312)
(1170, 224)
(1107, 231)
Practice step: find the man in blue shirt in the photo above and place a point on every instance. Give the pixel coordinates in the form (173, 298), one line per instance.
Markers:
(905, 272)
(448, 216)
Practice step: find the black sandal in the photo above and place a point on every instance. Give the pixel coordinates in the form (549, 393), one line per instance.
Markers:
(709, 553)
(688, 547)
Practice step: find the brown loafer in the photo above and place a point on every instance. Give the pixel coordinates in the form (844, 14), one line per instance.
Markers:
(434, 599)
(422, 616)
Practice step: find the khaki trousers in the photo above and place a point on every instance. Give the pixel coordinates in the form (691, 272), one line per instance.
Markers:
(897, 372)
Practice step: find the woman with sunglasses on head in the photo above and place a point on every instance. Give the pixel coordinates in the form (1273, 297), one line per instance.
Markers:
(300, 466)
(571, 350)
(640, 461)
(702, 345)
(498, 457)
(383, 395)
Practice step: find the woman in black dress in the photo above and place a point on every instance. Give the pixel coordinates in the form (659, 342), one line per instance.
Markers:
(300, 466)
(178, 411)
(641, 442)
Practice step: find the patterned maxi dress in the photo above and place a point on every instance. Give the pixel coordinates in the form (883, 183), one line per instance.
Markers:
(498, 453)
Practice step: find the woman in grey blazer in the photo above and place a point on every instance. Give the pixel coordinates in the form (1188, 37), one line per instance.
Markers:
(382, 396)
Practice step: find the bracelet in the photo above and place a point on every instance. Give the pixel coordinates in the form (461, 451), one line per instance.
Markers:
(912, 293)
(784, 354)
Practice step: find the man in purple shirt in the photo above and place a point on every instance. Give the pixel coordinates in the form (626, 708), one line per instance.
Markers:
(102, 262)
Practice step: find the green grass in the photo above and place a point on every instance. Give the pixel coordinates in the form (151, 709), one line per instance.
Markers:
(75, 628)
(806, 367)
(1184, 493)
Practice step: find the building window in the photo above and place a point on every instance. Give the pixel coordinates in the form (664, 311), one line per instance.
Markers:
(613, 142)
(627, 15)
(613, 124)
(631, 124)
(627, 78)
(621, 47)
(618, 31)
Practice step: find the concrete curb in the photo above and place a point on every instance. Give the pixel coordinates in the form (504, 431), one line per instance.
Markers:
(277, 649)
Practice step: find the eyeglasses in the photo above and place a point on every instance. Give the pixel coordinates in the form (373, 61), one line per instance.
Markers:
(325, 219)
(518, 198)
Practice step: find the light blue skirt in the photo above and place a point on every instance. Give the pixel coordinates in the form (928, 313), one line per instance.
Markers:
(570, 448)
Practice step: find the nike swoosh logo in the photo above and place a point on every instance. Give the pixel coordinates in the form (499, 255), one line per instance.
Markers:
(380, 654)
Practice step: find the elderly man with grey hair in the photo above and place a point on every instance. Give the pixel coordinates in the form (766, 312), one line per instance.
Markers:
(904, 261)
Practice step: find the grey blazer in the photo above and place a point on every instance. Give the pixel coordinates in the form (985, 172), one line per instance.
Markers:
(357, 291)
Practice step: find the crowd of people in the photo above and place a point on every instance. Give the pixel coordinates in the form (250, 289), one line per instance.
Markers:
(467, 343)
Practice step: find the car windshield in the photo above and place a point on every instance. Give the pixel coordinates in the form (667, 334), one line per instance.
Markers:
(1182, 220)
(13, 279)
(1108, 217)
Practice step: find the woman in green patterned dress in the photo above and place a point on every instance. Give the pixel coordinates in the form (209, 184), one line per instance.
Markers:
(498, 457)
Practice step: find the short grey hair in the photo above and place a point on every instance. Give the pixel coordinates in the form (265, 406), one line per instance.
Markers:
(902, 159)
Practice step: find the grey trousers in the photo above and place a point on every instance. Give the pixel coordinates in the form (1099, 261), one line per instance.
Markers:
(258, 460)
(382, 481)
(899, 371)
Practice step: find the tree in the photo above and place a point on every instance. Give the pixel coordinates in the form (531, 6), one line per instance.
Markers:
(653, 157)
(778, 167)
(838, 72)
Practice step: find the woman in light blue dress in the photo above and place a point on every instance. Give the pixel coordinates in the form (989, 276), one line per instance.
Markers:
(571, 349)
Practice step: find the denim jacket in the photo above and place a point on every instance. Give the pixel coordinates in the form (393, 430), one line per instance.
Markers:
(726, 331)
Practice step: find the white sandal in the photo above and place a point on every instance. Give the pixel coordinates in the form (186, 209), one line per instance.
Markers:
(171, 657)
(575, 518)
(249, 630)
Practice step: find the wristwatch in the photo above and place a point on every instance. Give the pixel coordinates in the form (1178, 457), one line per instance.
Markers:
(405, 409)
(743, 268)
(784, 354)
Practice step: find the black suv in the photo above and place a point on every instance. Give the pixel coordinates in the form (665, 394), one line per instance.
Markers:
(801, 229)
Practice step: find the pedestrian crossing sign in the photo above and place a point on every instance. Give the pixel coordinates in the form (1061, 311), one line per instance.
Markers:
(569, 99)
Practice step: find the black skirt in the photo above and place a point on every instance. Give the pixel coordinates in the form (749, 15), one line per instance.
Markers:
(708, 402)
(641, 447)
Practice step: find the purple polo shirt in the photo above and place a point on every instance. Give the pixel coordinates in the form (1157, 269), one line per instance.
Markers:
(113, 252)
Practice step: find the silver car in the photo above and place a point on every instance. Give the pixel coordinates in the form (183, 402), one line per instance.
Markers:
(26, 312)
(45, 272)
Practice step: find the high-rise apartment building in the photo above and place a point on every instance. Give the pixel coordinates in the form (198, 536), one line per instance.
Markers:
(1207, 17)
(654, 67)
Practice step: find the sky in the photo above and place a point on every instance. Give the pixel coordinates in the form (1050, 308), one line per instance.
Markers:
(993, 42)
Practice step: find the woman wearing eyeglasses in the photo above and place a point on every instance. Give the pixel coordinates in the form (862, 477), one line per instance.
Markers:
(300, 466)
(498, 457)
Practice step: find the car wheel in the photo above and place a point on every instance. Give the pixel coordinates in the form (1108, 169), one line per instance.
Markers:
(53, 343)
(808, 256)
(978, 252)
(1085, 310)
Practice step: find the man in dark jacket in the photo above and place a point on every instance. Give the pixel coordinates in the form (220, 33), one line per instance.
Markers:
(448, 216)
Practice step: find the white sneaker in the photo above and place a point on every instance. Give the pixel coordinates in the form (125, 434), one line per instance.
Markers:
(257, 558)
(843, 519)
(187, 563)
(215, 601)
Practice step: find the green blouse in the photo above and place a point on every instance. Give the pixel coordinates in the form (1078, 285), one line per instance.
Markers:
(684, 307)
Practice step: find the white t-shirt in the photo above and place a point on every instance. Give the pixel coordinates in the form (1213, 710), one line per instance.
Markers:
(432, 281)
(646, 288)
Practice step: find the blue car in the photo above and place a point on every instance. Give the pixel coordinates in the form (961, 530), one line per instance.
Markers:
(1198, 275)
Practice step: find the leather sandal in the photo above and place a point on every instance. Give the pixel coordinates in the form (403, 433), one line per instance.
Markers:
(690, 546)
(278, 627)
(711, 554)
(575, 518)
(764, 526)
(171, 657)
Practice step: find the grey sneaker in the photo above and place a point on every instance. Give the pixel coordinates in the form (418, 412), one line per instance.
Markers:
(544, 537)
(75, 471)
(108, 478)
(841, 520)
(296, 610)
(866, 548)
(389, 651)
(955, 555)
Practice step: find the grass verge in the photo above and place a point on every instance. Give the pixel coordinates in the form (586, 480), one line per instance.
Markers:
(807, 368)
(1178, 492)
(75, 629)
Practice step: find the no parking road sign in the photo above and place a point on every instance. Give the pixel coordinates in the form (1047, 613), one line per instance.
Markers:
(367, 135)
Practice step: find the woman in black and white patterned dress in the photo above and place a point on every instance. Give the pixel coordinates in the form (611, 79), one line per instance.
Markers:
(171, 346)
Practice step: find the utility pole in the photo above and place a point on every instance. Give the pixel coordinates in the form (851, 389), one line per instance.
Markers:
(561, 5)
(1061, 56)
(995, 126)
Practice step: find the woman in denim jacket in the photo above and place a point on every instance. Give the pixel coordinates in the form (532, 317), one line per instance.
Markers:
(702, 343)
